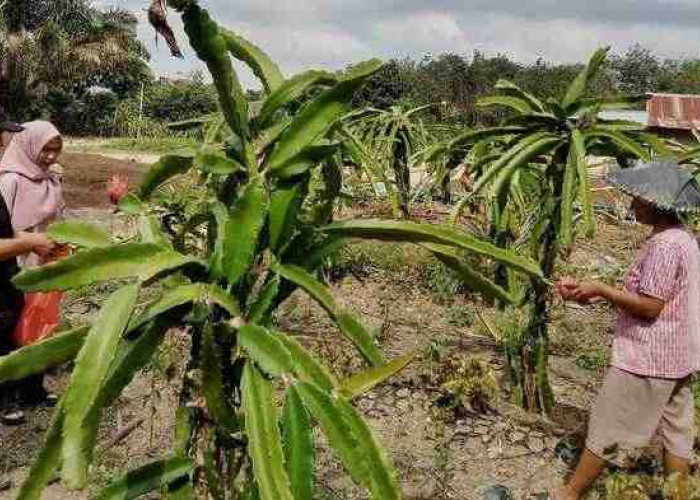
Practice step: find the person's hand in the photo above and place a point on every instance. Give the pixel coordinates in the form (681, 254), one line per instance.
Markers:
(584, 293)
(565, 287)
(38, 243)
(581, 292)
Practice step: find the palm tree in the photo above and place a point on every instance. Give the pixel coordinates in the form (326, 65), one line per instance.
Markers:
(63, 45)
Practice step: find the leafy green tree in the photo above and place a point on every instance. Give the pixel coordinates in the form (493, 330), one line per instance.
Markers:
(680, 76)
(92, 114)
(444, 80)
(547, 80)
(457, 82)
(242, 227)
(638, 70)
(385, 89)
(171, 101)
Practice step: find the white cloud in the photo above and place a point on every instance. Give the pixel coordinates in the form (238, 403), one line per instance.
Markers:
(331, 33)
(428, 31)
(319, 45)
(570, 40)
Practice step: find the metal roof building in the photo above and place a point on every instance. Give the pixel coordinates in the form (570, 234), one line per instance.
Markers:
(670, 113)
(673, 112)
(674, 116)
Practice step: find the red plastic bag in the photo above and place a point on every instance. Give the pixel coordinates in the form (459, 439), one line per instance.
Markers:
(41, 314)
(39, 319)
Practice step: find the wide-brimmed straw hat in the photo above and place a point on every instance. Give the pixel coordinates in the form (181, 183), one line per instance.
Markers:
(664, 184)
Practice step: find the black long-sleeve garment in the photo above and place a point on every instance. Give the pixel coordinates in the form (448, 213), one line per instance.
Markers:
(11, 299)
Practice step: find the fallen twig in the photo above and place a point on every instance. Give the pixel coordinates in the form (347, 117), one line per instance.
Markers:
(121, 436)
(487, 325)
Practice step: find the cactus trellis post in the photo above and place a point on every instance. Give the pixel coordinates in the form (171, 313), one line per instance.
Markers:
(551, 141)
(383, 143)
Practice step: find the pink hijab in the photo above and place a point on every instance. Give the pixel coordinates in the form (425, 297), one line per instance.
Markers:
(37, 194)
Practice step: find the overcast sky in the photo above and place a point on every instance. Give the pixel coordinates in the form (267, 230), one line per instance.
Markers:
(330, 33)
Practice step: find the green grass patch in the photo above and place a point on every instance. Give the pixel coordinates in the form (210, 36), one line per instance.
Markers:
(152, 145)
(461, 316)
(401, 263)
(594, 360)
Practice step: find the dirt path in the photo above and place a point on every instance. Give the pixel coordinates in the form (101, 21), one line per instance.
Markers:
(86, 176)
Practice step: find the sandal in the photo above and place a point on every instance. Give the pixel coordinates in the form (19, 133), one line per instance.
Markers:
(13, 418)
(51, 400)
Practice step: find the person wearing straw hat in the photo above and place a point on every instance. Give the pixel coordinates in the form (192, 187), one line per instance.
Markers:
(647, 392)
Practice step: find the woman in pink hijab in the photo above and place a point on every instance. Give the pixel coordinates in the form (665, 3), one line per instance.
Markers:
(32, 192)
(34, 199)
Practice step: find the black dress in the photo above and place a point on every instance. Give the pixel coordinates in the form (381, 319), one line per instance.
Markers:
(11, 299)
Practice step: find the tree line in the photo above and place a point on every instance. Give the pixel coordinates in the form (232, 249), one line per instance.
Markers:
(55, 53)
(453, 83)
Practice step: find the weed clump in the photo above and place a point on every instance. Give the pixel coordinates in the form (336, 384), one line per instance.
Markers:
(466, 383)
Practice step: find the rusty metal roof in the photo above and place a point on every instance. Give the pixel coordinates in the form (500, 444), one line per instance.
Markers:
(674, 111)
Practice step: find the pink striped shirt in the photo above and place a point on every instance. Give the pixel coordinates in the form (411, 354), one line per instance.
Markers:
(668, 268)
